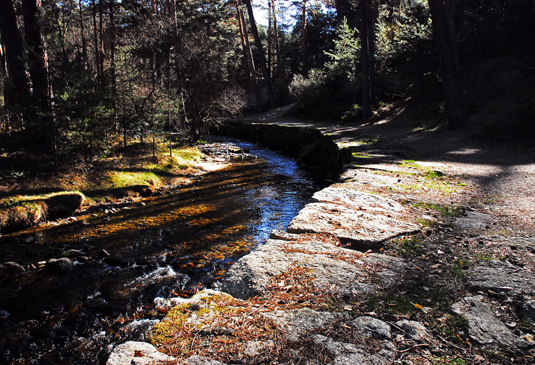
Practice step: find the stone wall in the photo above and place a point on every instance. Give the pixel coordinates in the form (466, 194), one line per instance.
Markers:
(312, 149)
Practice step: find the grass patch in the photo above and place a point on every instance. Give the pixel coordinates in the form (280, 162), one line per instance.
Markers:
(408, 246)
(458, 268)
(445, 210)
(416, 300)
(28, 210)
(121, 179)
(428, 223)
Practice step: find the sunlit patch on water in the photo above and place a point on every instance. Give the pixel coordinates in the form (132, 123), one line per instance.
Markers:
(138, 258)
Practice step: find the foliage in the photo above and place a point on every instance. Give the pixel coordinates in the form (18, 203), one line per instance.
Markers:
(401, 32)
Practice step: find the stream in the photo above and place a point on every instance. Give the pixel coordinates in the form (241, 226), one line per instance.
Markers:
(127, 255)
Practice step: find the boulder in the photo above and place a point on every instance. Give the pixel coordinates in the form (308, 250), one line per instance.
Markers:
(351, 354)
(11, 267)
(334, 270)
(485, 328)
(501, 277)
(351, 225)
(299, 323)
(415, 330)
(59, 266)
(358, 200)
(371, 327)
(138, 353)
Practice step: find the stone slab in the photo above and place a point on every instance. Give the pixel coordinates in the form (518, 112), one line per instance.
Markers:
(501, 277)
(335, 270)
(484, 327)
(365, 230)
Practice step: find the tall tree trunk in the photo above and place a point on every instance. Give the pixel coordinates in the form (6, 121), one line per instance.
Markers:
(43, 126)
(365, 60)
(370, 17)
(276, 39)
(82, 34)
(249, 56)
(260, 50)
(95, 39)
(3, 75)
(367, 38)
(19, 90)
(270, 40)
(304, 38)
(446, 41)
(101, 40)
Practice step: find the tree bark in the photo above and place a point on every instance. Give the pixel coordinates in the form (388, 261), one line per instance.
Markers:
(304, 38)
(249, 56)
(19, 90)
(82, 34)
(260, 50)
(276, 40)
(367, 38)
(446, 41)
(38, 66)
(95, 39)
(365, 60)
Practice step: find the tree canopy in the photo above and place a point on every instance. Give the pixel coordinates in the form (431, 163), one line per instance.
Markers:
(75, 75)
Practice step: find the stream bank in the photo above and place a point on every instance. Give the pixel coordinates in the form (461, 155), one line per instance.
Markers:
(443, 279)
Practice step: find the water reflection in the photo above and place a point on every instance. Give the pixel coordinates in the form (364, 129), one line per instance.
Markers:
(166, 247)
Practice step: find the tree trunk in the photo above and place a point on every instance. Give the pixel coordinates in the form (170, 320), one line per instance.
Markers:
(446, 41)
(43, 129)
(249, 56)
(260, 50)
(365, 60)
(95, 39)
(101, 41)
(304, 38)
(19, 90)
(3, 75)
(276, 40)
(367, 38)
(82, 34)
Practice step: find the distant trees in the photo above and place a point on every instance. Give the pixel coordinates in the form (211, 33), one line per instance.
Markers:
(75, 74)
(445, 31)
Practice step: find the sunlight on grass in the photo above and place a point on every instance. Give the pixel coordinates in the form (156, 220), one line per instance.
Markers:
(121, 179)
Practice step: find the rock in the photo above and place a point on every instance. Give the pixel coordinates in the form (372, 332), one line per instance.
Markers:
(59, 266)
(28, 239)
(371, 327)
(351, 354)
(302, 322)
(527, 310)
(359, 177)
(284, 236)
(415, 330)
(201, 360)
(255, 348)
(73, 253)
(137, 353)
(364, 230)
(484, 327)
(334, 270)
(472, 221)
(12, 267)
(358, 200)
(501, 277)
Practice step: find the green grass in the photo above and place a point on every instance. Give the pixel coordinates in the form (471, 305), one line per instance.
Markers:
(445, 210)
(408, 246)
(428, 223)
(121, 179)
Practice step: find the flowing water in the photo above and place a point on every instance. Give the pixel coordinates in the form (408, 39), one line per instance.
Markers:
(162, 247)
